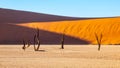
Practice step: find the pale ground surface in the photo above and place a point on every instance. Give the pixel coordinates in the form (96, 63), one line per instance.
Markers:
(52, 57)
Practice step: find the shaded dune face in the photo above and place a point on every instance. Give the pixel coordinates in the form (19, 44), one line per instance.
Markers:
(12, 34)
(15, 16)
(85, 29)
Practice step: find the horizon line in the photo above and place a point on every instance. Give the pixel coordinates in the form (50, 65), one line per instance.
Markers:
(58, 14)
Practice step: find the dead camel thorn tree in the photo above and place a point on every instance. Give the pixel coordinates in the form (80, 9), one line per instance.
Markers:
(36, 40)
(24, 44)
(99, 40)
(28, 43)
(63, 39)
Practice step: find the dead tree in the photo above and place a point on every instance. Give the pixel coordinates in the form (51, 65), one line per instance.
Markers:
(36, 40)
(99, 39)
(24, 47)
(63, 39)
(28, 43)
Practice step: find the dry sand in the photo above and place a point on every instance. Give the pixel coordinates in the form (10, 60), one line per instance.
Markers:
(12, 56)
(83, 29)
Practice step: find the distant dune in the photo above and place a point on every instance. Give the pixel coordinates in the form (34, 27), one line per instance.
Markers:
(17, 16)
(18, 25)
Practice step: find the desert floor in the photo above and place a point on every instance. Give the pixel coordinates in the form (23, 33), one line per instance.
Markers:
(51, 56)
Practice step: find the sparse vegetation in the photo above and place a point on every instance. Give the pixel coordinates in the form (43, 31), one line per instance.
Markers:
(99, 39)
(36, 41)
(24, 45)
(63, 39)
(28, 43)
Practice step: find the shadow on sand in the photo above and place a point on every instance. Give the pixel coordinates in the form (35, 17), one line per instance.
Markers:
(41, 50)
(12, 34)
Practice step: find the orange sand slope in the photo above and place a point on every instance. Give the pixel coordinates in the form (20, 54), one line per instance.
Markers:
(84, 29)
(12, 34)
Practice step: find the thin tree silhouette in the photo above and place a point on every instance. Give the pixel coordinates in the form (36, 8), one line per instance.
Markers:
(37, 40)
(99, 40)
(63, 39)
(24, 45)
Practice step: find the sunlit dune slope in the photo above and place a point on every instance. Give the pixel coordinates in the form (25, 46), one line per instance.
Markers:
(85, 29)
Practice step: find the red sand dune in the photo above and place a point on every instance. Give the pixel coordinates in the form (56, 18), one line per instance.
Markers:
(85, 29)
(17, 16)
(18, 25)
(12, 34)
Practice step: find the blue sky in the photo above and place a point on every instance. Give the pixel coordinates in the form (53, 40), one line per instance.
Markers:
(75, 8)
